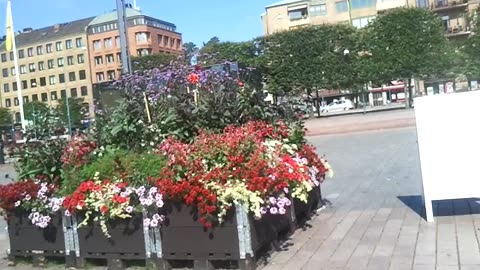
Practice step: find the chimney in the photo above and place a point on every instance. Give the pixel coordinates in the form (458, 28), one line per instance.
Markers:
(27, 30)
(56, 27)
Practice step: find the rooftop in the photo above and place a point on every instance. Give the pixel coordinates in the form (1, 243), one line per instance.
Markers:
(52, 32)
(112, 16)
(284, 2)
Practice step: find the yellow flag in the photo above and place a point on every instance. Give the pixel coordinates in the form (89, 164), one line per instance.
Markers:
(9, 34)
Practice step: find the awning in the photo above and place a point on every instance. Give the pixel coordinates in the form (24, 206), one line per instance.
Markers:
(297, 7)
(388, 88)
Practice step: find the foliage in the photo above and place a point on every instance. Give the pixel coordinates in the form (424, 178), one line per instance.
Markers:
(40, 158)
(5, 117)
(189, 50)
(469, 49)
(152, 61)
(34, 109)
(406, 43)
(77, 111)
(309, 58)
(105, 200)
(254, 165)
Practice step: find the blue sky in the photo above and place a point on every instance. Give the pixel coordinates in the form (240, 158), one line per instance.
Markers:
(197, 20)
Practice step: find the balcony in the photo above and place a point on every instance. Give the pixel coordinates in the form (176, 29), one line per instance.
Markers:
(457, 31)
(444, 5)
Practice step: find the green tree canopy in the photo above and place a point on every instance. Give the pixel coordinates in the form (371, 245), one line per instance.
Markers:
(77, 111)
(151, 61)
(311, 58)
(33, 109)
(189, 49)
(5, 117)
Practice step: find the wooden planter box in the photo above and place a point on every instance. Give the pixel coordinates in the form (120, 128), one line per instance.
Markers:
(303, 210)
(26, 238)
(127, 239)
(239, 238)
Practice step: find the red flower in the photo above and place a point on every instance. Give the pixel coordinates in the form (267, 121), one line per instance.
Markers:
(193, 78)
(104, 209)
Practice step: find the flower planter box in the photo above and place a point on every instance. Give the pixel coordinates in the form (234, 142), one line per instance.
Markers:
(303, 210)
(239, 238)
(127, 239)
(26, 237)
(29, 240)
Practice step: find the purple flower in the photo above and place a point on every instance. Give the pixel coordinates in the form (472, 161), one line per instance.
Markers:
(282, 211)
(273, 210)
(263, 210)
(153, 223)
(280, 204)
(272, 200)
(146, 222)
(129, 209)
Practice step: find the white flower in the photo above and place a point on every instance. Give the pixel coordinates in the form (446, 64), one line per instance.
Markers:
(146, 222)
(27, 197)
(67, 213)
(159, 204)
(129, 209)
(17, 203)
(282, 211)
(153, 223)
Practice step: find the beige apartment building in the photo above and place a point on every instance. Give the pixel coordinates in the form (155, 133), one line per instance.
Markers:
(53, 64)
(146, 35)
(290, 14)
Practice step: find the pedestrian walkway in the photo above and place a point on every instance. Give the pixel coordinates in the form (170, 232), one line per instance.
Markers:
(374, 222)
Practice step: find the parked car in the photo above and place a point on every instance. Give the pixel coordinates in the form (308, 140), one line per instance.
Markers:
(337, 105)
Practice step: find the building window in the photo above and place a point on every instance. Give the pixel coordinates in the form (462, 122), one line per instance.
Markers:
(13, 71)
(111, 75)
(60, 62)
(97, 45)
(21, 54)
(422, 3)
(50, 64)
(33, 83)
(39, 50)
(179, 44)
(341, 6)
(52, 80)
(23, 69)
(63, 94)
(73, 92)
(84, 91)
(5, 72)
(61, 78)
(362, 22)
(30, 52)
(80, 59)
(15, 102)
(44, 97)
(159, 38)
(43, 81)
(11, 56)
(165, 41)
(98, 60)
(141, 37)
(117, 42)
(144, 52)
(70, 60)
(31, 67)
(318, 10)
(24, 84)
(49, 48)
(8, 103)
(41, 66)
(446, 23)
(71, 76)
(108, 43)
(59, 46)
(25, 99)
(6, 87)
(82, 75)
(298, 13)
(18, 117)
(53, 95)
(68, 44)
(4, 57)
(110, 58)
(14, 86)
(357, 4)
(79, 42)
(100, 76)
(35, 97)
(119, 57)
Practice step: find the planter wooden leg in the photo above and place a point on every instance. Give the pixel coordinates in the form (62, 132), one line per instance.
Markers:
(203, 264)
(70, 260)
(158, 263)
(80, 263)
(247, 264)
(115, 264)
(39, 261)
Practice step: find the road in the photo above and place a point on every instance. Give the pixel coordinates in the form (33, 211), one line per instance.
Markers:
(361, 122)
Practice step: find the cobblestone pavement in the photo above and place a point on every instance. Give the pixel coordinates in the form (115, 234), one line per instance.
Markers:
(374, 221)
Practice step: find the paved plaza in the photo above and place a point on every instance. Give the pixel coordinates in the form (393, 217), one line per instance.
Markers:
(375, 220)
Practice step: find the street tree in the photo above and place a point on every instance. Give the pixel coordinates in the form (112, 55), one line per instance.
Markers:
(5, 117)
(75, 110)
(151, 61)
(189, 50)
(33, 109)
(407, 43)
(316, 57)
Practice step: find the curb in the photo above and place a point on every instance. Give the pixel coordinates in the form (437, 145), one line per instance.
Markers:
(358, 112)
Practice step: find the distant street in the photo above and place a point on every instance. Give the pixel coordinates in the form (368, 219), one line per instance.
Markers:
(361, 122)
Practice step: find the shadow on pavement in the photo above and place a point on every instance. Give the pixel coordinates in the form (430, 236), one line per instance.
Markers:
(455, 207)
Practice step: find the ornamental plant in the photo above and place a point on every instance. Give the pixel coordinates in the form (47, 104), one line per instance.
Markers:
(104, 200)
(33, 197)
(254, 165)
